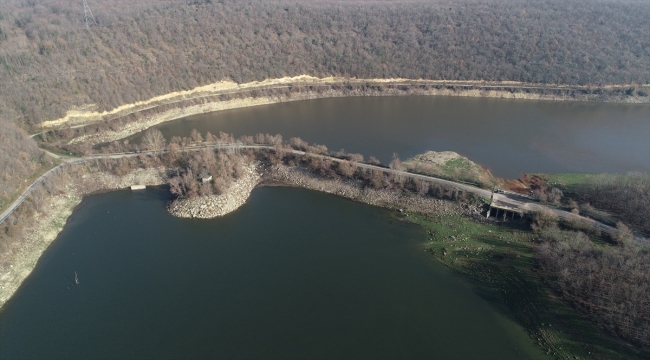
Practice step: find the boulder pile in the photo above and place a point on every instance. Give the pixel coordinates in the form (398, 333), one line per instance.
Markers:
(206, 207)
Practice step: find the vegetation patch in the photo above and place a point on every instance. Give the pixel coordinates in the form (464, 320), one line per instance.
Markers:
(608, 198)
(450, 165)
(503, 258)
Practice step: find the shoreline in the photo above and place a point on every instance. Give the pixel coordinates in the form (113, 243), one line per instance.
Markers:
(57, 209)
(53, 217)
(415, 208)
(211, 206)
(130, 119)
(479, 88)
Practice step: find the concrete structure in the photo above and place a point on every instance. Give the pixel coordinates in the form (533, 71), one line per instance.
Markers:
(504, 207)
(138, 187)
(504, 213)
(206, 179)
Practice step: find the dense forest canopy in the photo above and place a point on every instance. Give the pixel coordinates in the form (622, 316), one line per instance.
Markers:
(49, 61)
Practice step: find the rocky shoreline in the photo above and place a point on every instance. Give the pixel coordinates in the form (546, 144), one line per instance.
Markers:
(280, 175)
(18, 262)
(204, 99)
(206, 207)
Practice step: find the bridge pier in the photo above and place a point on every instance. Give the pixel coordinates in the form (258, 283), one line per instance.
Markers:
(503, 214)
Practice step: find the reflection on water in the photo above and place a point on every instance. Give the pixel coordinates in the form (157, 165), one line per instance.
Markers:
(292, 274)
(510, 137)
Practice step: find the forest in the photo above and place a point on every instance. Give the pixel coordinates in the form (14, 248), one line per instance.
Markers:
(50, 62)
(610, 283)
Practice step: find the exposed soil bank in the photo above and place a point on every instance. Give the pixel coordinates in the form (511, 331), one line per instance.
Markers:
(129, 119)
(449, 164)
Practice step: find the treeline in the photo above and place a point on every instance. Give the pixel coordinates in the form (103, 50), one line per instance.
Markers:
(50, 62)
(225, 165)
(610, 283)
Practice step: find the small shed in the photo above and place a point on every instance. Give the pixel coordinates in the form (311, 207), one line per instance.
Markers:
(138, 187)
(206, 179)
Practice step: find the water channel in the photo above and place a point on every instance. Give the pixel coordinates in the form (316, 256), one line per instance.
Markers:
(510, 137)
(292, 274)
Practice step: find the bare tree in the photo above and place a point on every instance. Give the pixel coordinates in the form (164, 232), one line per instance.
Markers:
(373, 160)
(396, 163)
(544, 218)
(346, 169)
(422, 187)
(153, 140)
(196, 136)
(624, 236)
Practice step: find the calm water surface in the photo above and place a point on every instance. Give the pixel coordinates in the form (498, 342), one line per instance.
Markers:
(292, 274)
(510, 137)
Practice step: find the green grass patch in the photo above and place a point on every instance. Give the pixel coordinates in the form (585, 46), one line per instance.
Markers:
(451, 166)
(576, 183)
(501, 257)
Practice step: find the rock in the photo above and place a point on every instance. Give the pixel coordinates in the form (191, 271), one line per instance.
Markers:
(218, 205)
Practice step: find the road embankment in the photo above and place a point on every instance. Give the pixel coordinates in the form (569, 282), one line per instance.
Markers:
(281, 175)
(39, 229)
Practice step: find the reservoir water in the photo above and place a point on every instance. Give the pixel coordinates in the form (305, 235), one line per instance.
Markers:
(510, 137)
(292, 274)
(300, 274)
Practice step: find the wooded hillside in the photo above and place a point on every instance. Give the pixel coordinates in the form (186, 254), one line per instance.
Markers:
(50, 62)
(142, 48)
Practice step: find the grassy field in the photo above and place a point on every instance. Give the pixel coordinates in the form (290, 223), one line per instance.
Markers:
(573, 185)
(501, 257)
(576, 183)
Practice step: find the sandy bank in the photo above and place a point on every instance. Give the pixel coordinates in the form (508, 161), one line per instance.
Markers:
(85, 114)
